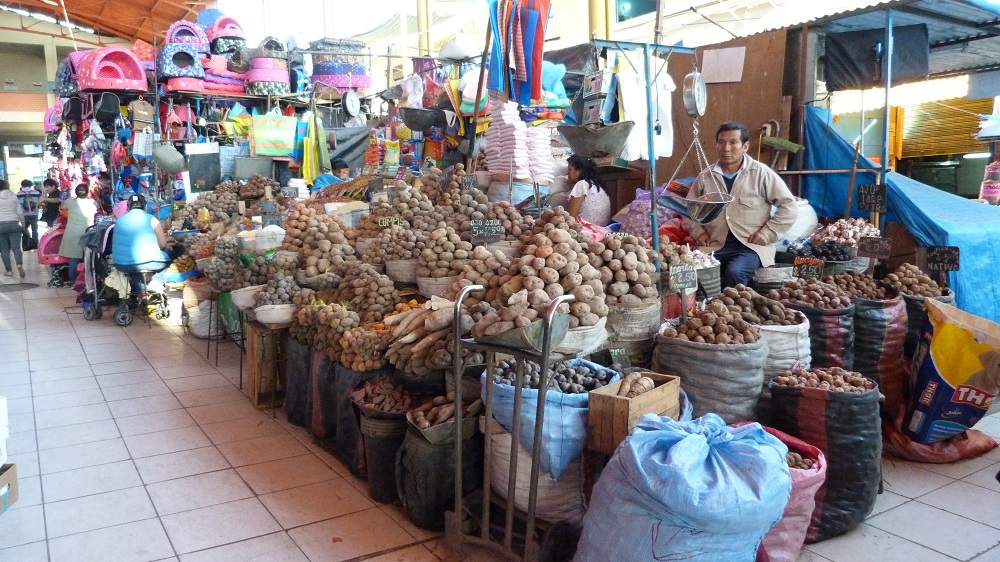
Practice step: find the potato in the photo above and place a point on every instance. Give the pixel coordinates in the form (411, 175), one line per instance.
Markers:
(533, 283)
(549, 275)
(618, 289)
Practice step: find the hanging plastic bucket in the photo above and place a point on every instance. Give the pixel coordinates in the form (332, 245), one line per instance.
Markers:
(383, 438)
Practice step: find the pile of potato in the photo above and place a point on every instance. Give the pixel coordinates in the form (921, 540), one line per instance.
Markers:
(410, 203)
(635, 384)
(363, 349)
(673, 254)
(627, 267)
(228, 186)
(556, 218)
(462, 207)
(797, 460)
(226, 274)
(564, 377)
(184, 263)
(397, 242)
(331, 321)
(430, 221)
(440, 410)
(859, 286)
(220, 205)
(444, 255)
(302, 218)
(367, 291)
(911, 281)
(513, 223)
(812, 293)
(303, 329)
(757, 309)
(257, 272)
(383, 395)
(718, 324)
(255, 187)
(202, 246)
(283, 263)
(431, 183)
(846, 232)
(368, 226)
(835, 379)
(480, 269)
(517, 313)
(325, 247)
(278, 290)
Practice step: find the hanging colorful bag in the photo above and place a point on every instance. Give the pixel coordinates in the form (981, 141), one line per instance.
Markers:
(272, 134)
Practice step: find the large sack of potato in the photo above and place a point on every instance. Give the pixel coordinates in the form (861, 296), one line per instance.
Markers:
(564, 429)
(879, 332)
(694, 351)
(727, 487)
(838, 412)
(787, 347)
(831, 319)
(298, 395)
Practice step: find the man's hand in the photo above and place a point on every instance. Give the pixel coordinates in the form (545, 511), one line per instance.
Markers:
(704, 239)
(758, 239)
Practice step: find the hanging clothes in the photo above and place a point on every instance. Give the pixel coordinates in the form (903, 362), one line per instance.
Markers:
(516, 55)
(631, 82)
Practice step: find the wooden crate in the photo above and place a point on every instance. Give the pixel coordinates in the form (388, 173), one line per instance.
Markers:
(611, 417)
(265, 368)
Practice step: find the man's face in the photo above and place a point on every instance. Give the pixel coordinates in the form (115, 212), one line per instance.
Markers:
(731, 147)
(342, 173)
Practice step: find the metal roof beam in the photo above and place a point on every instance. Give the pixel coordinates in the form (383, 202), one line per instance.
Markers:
(941, 45)
(988, 28)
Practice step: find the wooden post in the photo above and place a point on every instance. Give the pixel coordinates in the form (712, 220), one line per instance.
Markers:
(471, 162)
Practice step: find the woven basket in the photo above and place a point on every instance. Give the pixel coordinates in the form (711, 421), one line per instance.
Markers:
(198, 291)
(402, 271)
(435, 286)
(584, 340)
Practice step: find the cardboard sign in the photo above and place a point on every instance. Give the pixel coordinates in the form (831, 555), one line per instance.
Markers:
(470, 182)
(386, 222)
(485, 231)
(875, 247)
(682, 276)
(808, 267)
(871, 197)
(942, 258)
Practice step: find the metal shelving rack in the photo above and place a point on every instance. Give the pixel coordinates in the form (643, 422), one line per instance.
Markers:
(454, 520)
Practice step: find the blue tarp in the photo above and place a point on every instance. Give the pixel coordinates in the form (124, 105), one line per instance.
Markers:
(933, 217)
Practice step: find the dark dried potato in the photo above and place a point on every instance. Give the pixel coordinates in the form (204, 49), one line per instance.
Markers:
(754, 308)
(717, 324)
(812, 293)
(859, 286)
(564, 377)
(383, 395)
(834, 379)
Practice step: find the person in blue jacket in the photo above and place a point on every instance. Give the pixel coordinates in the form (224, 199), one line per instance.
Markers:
(140, 245)
(340, 172)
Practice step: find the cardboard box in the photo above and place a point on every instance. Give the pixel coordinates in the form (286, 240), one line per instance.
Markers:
(8, 486)
(597, 84)
(611, 417)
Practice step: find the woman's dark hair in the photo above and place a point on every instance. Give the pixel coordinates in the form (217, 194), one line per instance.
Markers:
(588, 170)
(82, 190)
(50, 183)
(338, 164)
(3, 185)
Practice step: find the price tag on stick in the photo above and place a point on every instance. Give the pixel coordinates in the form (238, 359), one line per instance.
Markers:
(620, 357)
(485, 231)
(808, 267)
(875, 247)
(470, 182)
(682, 276)
(872, 198)
(943, 258)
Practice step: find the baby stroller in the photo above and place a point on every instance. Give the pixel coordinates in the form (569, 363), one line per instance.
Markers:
(48, 254)
(96, 242)
(152, 304)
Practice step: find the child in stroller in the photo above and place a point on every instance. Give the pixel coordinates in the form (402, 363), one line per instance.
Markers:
(96, 241)
(138, 250)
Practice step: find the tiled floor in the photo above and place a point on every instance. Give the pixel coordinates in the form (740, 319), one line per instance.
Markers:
(131, 446)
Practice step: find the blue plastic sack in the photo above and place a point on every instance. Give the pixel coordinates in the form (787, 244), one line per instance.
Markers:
(564, 433)
(695, 491)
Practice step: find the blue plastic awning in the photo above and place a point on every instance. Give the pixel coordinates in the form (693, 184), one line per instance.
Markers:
(933, 217)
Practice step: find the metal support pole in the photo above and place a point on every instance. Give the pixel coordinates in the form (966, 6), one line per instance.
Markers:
(887, 83)
(651, 147)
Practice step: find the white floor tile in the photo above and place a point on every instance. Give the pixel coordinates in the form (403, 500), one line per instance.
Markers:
(97, 512)
(286, 473)
(869, 543)
(909, 479)
(151, 423)
(278, 547)
(195, 492)
(91, 480)
(208, 527)
(140, 541)
(320, 540)
(937, 529)
(82, 456)
(180, 464)
(162, 442)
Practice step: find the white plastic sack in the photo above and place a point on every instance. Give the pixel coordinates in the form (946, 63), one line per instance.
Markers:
(558, 500)
(199, 322)
(787, 347)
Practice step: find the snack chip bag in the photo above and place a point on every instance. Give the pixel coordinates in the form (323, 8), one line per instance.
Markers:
(955, 375)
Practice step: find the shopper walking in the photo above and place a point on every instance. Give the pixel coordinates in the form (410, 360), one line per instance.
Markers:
(11, 227)
(81, 210)
(29, 198)
(50, 202)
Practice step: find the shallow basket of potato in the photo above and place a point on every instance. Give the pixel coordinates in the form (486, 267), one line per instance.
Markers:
(443, 432)
(435, 286)
(275, 316)
(585, 339)
(402, 271)
(531, 337)
(615, 408)
(245, 298)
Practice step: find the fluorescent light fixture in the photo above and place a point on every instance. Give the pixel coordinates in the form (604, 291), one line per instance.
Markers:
(976, 155)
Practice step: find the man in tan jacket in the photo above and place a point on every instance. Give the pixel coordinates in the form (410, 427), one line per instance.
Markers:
(743, 236)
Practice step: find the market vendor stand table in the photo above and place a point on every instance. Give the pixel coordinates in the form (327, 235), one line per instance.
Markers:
(454, 520)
